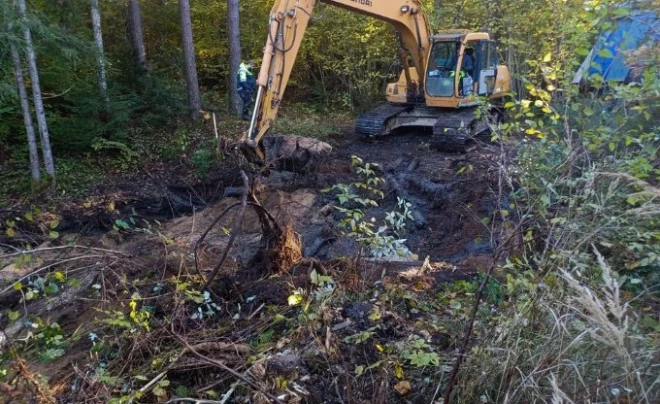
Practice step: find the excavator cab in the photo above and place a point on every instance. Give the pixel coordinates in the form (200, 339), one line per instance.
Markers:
(462, 67)
(461, 71)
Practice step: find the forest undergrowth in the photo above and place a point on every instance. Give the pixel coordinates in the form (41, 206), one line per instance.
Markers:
(165, 268)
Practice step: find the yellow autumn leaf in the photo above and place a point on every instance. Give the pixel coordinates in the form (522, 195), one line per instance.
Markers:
(398, 370)
(295, 300)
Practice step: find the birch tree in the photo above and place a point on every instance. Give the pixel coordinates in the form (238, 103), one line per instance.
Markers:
(27, 115)
(98, 40)
(190, 65)
(136, 35)
(36, 92)
(234, 34)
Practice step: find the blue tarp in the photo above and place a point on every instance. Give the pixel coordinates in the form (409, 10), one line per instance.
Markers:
(607, 57)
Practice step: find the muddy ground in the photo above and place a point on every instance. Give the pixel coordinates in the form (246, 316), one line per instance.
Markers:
(144, 230)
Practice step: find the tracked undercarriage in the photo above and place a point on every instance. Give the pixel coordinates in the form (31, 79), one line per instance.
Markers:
(453, 129)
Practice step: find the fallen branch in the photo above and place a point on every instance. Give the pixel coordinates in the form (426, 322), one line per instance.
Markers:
(207, 346)
(10, 246)
(36, 271)
(251, 316)
(234, 231)
(232, 372)
(228, 393)
(155, 380)
(73, 247)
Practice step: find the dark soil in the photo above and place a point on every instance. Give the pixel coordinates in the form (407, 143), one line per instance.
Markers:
(168, 209)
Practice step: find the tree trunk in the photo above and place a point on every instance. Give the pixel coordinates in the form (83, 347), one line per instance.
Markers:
(27, 115)
(234, 34)
(36, 93)
(136, 35)
(192, 86)
(98, 39)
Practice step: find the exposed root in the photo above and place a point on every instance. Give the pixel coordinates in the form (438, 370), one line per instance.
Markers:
(286, 251)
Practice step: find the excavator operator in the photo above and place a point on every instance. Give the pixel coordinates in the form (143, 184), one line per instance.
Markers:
(468, 61)
(246, 84)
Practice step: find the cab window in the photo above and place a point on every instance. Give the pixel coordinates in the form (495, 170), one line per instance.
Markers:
(440, 80)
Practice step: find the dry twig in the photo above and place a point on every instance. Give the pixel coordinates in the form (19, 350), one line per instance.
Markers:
(231, 371)
(234, 231)
(64, 247)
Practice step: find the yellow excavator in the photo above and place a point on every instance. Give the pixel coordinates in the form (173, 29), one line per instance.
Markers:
(444, 79)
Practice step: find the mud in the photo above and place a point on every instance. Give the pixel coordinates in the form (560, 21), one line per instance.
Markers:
(453, 193)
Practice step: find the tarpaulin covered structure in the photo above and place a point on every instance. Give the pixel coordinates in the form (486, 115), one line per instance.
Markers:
(608, 59)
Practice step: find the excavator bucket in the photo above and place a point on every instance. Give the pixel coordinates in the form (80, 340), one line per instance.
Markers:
(287, 153)
(294, 153)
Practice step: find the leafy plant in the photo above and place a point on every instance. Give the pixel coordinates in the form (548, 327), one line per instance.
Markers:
(419, 353)
(360, 337)
(49, 341)
(382, 241)
(128, 157)
(202, 161)
(137, 319)
(205, 306)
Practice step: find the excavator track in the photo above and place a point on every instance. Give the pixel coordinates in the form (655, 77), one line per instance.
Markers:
(374, 122)
(454, 130)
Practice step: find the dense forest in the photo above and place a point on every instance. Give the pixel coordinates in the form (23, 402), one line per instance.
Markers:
(143, 259)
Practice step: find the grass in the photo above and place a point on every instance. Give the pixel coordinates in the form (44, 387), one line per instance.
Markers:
(303, 120)
(568, 342)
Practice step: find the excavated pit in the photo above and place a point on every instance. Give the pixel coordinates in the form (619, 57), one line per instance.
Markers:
(451, 194)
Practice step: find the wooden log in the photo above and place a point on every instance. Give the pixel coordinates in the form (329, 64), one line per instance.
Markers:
(411, 270)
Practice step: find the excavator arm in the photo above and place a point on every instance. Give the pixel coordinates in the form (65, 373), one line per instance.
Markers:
(287, 27)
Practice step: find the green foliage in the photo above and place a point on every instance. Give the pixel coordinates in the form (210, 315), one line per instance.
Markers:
(314, 303)
(307, 123)
(360, 337)
(205, 306)
(419, 353)
(586, 184)
(50, 342)
(603, 190)
(37, 287)
(354, 199)
(203, 160)
(127, 156)
(136, 320)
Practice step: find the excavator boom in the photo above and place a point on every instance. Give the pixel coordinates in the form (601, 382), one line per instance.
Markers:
(287, 27)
